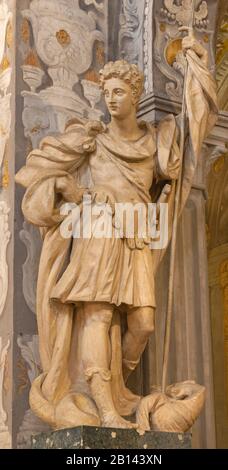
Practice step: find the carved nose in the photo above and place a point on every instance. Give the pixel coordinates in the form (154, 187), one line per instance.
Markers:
(112, 99)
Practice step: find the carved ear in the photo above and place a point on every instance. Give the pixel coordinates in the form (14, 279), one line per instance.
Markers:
(134, 99)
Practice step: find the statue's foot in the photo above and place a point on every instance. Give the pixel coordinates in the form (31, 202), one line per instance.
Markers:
(113, 420)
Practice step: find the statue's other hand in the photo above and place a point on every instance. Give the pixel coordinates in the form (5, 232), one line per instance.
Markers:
(69, 190)
(190, 42)
(94, 127)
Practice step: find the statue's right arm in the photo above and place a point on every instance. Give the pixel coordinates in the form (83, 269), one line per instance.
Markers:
(49, 173)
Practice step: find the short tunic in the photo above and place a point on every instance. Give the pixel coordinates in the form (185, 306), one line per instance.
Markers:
(111, 269)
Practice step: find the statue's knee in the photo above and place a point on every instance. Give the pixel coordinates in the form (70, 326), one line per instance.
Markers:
(148, 321)
(146, 329)
(98, 313)
(143, 324)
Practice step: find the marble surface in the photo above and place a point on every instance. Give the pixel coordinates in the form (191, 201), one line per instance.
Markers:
(89, 437)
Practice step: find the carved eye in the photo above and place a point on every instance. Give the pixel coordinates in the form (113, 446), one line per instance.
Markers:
(119, 92)
(106, 93)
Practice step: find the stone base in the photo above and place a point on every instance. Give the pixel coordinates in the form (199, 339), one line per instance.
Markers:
(88, 437)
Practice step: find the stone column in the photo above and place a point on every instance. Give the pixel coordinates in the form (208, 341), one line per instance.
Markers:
(218, 280)
(217, 222)
(190, 355)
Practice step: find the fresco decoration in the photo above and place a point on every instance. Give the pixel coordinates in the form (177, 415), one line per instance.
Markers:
(58, 51)
(161, 22)
(6, 40)
(31, 238)
(130, 33)
(29, 367)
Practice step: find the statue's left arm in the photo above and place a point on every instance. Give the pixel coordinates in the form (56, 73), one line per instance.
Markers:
(202, 110)
(201, 115)
(200, 94)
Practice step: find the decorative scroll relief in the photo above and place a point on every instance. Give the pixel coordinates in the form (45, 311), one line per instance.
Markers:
(4, 238)
(165, 61)
(64, 37)
(5, 78)
(31, 425)
(30, 236)
(168, 41)
(131, 24)
(182, 13)
(98, 6)
(5, 438)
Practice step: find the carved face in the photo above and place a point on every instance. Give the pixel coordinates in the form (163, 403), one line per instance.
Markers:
(119, 98)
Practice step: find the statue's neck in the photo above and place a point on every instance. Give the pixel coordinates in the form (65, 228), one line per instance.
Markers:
(127, 129)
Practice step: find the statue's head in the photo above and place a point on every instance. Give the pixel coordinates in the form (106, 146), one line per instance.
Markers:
(122, 84)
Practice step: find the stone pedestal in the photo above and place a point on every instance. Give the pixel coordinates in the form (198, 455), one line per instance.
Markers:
(88, 437)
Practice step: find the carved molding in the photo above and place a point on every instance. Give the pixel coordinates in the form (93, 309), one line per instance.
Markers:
(148, 49)
(5, 438)
(30, 236)
(4, 237)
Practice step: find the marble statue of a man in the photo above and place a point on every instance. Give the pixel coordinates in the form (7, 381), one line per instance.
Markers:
(87, 285)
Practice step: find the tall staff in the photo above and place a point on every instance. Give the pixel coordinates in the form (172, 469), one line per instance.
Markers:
(175, 220)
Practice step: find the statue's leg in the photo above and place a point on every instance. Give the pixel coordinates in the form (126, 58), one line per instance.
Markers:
(96, 354)
(140, 323)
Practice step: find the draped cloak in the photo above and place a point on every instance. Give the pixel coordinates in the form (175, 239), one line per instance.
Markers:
(60, 395)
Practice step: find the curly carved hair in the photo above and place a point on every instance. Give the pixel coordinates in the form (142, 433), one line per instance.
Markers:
(129, 73)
